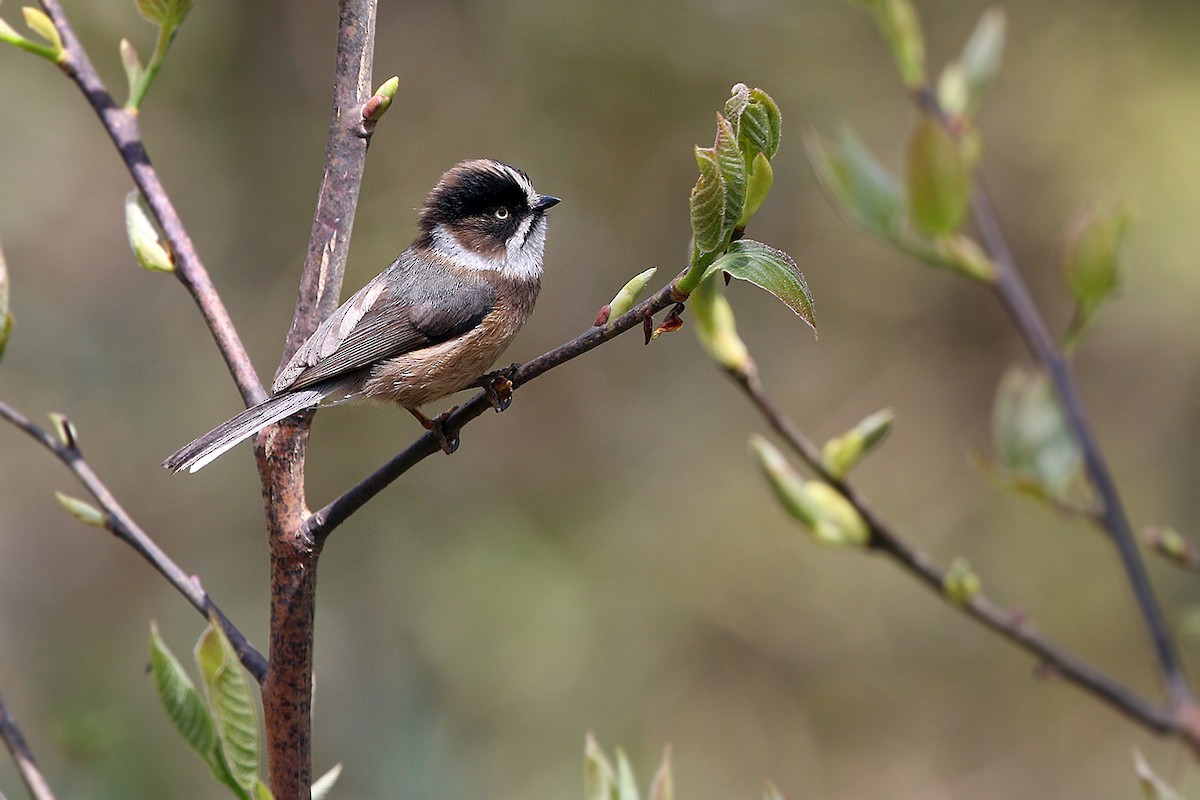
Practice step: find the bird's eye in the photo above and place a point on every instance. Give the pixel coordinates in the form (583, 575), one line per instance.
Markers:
(500, 213)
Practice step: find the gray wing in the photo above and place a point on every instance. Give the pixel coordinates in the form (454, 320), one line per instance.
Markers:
(391, 315)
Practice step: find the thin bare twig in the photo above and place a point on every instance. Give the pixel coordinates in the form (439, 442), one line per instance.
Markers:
(323, 522)
(123, 128)
(31, 774)
(1016, 628)
(121, 525)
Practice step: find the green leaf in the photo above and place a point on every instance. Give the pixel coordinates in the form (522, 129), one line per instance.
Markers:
(770, 269)
(85, 512)
(898, 21)
(736, 104)
(626, 783)
(707, 202)
(663, 785)
(758, 184)
(324, 784)
(134, 71)
(715, 327)
(261, 792)
(1095, 255)
(842, 453)
(165, 13)
(733, 175)
(231, 705)
(183, 705)
(143, 238)
(1153, 787)
(760, 126)
(827, 514)
(959, 583)
(938, 180)
(1031, 434)
(627, 297)
(43, 26)
(862, 188)
(980, 60)
(599, 780)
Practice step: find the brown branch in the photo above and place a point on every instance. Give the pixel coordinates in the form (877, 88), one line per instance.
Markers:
(121, 525)
(122, 127)
(31, 774)
(323, 522)
(287, 692)
(1015, 628)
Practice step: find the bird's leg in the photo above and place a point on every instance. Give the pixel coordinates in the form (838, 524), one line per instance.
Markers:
(437, 426)
(498, 386)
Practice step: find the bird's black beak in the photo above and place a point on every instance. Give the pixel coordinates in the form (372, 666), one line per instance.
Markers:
(546, 201)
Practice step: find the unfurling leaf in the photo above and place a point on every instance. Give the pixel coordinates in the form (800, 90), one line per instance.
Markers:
(83, 511)
(1032, 437)
(707, 202)
(323, 785)
(143, 238)
(599, 780)
(43, 26)
(625, 299)
(231, 705)
(761, 126)
(862, 188)
(938, 179)
(902, 30)
(736, 104)
(1094, 255)
(733, 175)
(626, 783)
(770, 269)
(841, 454)
(963, 83)
(165, 13)
(960, 584)
(758, 184)
(663, 785)
(715, 327)
(827, 514)
(134, 71)
(183, 704)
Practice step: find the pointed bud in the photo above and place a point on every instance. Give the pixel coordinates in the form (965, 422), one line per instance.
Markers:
(627, 297)
(938, 179)
(841, 454)
(379, 102)
(663, 785)
(964, 255)
(716, 329)
(827, 514)
(67, 434)
(43, 26)
(959, 583)
(143, 238)
(84, 512)
(134, 71)
(599, 780)
(902, 30)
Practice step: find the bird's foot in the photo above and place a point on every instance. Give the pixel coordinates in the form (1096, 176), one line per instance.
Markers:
(437, 426)
(498, 386)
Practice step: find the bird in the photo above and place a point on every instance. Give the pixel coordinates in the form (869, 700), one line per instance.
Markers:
(431, 324)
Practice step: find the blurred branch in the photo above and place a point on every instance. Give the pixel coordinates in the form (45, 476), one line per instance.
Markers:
(1013, 627)
(123, 128)
(323, 522)
(31, 774)
(287, 691)
(121, 525)
(1014, 295)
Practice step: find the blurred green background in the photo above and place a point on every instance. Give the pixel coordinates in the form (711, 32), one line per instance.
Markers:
(604, 556)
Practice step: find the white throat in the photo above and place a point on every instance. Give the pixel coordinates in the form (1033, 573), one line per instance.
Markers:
(523, 252)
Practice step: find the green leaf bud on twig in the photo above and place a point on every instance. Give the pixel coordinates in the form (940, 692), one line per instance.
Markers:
(1031, 434)
(1171, 545)
(381, 100)
(963, 254)
(67, 433)
(863, 190)
(1094, 256)
(716, 329)
(938, 179)
(901, 28)
(758, 183)
(828, 515)
(707, 202)
(85, 512)
(959, 583)
(963, 83)
(626, 298)
(143, 238)
(626, 782)
(134, 71)
(842, 453)
(41, 24)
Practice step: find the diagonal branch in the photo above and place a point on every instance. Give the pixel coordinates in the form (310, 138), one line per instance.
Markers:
(1016, 629)
(323, 522)
(123, 128)
(31, 774)
(124, 528)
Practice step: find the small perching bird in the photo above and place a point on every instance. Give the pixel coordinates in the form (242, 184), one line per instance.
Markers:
(430, 324)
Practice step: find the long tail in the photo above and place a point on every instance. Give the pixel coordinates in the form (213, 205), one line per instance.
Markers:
(223, 437)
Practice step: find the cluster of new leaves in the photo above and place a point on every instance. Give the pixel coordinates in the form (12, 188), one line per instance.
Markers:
(51, 46)
(221, 725)
(603, 781)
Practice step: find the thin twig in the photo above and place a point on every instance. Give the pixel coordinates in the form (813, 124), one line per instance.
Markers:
(124, 528)
(323, 522)
(31, 774)
(123, 128)
(1013, 627)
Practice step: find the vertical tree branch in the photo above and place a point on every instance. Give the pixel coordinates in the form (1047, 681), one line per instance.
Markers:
(287, 692)
(31, 774)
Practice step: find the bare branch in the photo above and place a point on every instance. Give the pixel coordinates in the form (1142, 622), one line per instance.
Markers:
(1017, 629)
(124, 528)
(122, 127)
(34, 780)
